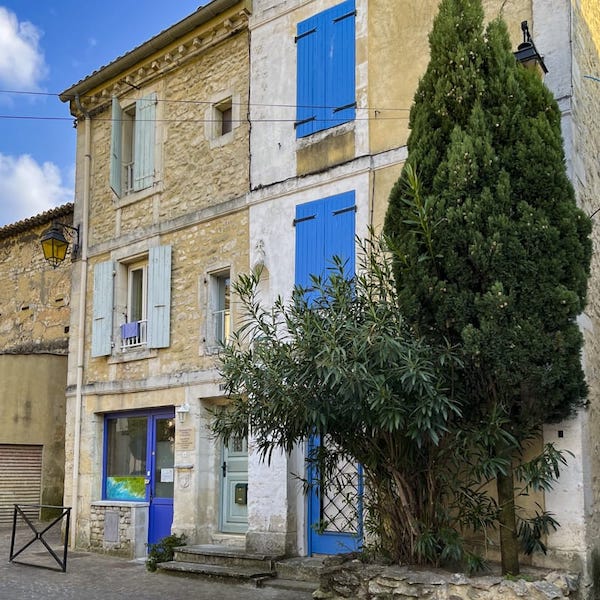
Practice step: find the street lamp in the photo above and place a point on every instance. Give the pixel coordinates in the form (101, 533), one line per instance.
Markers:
(55, 244)
(527, 53)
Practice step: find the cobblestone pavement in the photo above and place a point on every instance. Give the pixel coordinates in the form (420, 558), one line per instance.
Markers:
(93, 576)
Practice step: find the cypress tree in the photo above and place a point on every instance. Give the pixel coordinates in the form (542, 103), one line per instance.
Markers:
(491, 251)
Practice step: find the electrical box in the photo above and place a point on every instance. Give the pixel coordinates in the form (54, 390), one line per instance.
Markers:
(241, 493)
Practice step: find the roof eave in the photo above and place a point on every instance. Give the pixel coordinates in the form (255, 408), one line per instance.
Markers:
(163, 39)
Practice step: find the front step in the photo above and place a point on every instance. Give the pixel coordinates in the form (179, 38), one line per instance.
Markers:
(301, 568)
(222, 562)
(231, 573)
(209, 554)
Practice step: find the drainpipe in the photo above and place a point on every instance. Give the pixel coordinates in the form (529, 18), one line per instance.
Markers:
(83, 267)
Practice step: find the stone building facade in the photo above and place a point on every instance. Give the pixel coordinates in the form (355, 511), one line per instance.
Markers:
(34, 334)
(238, 172)
(161, 182)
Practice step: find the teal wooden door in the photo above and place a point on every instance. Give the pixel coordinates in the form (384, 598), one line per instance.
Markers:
(234, 487)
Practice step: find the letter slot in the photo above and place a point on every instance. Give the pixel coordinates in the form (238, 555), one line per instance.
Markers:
(241, 493)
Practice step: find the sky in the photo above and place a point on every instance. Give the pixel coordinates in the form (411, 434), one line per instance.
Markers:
(45, 47)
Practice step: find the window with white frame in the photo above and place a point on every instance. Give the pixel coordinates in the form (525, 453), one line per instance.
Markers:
(134, 330)
(219, 309)
(133, 140)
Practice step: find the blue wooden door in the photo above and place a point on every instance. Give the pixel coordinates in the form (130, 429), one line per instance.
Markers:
(324, 229)
(161, 472)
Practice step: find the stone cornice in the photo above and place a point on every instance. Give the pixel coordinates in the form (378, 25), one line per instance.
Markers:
(165, 52)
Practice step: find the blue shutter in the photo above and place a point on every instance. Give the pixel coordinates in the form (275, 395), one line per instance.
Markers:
(102, 316)
(159, 297)
(116, 162)
(324, 228)
(309, 258)
(144, 141)
(340, 67)
(310, 83)
(339, 226)
(326, 56)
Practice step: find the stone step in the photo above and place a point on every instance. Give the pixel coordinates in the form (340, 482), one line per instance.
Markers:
(302, 568)
(209, 554)
(211, 571)
(289, 584)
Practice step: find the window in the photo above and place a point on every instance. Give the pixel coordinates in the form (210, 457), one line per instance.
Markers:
(224, 117)
(325, 95)
(134, 330)
(142, 290)
(126, 449)
(132, 145)
(219, 309)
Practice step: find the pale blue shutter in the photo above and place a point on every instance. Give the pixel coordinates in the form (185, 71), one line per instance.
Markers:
(102, 315)
(340, 83)
(116, 162)
(144, 141)
(159, 297)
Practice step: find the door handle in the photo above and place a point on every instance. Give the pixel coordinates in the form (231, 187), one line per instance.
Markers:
(224, 468)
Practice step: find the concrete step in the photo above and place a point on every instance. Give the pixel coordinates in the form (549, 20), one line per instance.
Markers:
(231, 573)
(209, 554)
(301, 568)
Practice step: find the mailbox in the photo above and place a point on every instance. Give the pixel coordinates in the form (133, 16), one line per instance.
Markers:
(241, 493)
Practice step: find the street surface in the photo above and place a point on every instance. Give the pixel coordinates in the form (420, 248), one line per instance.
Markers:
(93, 576)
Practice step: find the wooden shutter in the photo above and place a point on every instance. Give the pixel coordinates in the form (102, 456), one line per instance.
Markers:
(339, 226)
(144, 141)
(324, 228)
(103, 309)
(310, 80)
(159, 297)
(116, 162)
(21, 480)
(340, 67)
(325, 70)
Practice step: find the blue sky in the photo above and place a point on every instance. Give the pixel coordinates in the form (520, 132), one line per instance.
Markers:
(45, 47)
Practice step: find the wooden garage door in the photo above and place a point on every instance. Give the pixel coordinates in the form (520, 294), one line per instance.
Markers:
(20, 479)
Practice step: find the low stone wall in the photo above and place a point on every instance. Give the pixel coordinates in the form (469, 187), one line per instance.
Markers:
(119, 528)
(354, 580)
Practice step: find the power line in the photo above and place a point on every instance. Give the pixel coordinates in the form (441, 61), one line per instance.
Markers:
(209, 103)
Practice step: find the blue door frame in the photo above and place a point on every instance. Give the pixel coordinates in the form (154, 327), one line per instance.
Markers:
(337, 537)
(157, 478)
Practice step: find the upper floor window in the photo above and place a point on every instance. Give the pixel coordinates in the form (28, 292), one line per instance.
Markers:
(140, 317)
(218, 323)
(132, 145)
(325, 95)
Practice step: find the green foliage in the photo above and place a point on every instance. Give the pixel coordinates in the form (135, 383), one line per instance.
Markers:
(348, 367)
(491, 252)
(163, 550)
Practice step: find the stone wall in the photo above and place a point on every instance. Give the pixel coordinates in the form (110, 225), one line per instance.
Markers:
(119, 528)
(354, 580)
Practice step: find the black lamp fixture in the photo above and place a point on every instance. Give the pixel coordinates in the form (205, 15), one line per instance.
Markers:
(527, 53)
(55, 244)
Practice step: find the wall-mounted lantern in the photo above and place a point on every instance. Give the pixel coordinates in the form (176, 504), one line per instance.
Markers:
(55, 244)
(527, 53)
(182, 410)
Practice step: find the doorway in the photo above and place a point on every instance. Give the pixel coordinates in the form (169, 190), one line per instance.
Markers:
(234, 486)
(139, 464)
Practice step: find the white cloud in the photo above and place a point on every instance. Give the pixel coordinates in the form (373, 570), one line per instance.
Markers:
(22, 63)
(28, 188)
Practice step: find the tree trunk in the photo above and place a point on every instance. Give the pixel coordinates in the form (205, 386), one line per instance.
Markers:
(509, 544)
